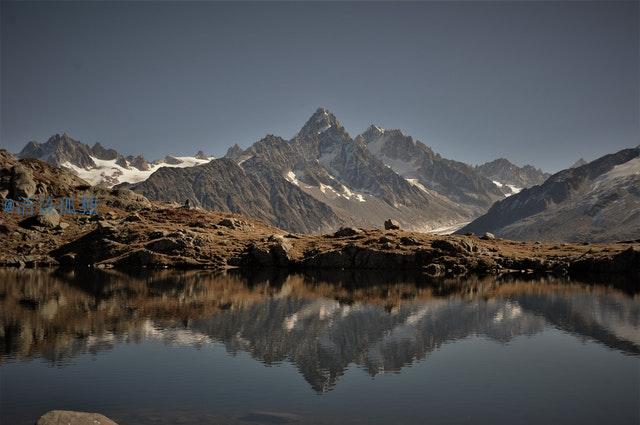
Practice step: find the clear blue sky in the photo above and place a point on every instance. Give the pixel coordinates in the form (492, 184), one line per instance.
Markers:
(537, 82)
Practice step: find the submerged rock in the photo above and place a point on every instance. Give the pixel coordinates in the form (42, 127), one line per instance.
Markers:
(67, 417)
(434, 269)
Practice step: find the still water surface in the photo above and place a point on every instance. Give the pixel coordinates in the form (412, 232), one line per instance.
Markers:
(201, 348)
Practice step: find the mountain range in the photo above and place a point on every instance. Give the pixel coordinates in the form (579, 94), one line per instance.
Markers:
(319, 180)
(323, 178)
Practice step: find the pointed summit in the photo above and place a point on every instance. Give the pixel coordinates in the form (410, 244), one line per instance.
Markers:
(321, 121)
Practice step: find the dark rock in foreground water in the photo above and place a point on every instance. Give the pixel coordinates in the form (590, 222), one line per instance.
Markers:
(67, 417)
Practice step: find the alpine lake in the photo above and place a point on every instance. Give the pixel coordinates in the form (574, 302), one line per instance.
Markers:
(198, 347)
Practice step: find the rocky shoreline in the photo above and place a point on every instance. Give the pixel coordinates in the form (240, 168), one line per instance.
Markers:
(163, 236)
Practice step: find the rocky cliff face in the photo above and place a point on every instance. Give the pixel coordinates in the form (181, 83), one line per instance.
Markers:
(598, 201)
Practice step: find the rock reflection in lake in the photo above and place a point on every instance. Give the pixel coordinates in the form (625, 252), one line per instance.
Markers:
(319, 323)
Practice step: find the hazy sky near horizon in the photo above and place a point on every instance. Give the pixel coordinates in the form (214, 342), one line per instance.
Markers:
(536, 82)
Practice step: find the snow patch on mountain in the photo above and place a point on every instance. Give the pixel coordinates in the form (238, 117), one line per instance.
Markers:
(292, 178)
(346, 193)
(419, 185)
(512, 188)
(110, 173)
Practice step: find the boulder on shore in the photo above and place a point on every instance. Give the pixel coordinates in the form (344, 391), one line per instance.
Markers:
(22, 184)
(391, 224)
(346, 232)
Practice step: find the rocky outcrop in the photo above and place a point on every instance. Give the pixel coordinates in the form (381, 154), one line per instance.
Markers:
(29, 178)
(139, 162)
(172, 160)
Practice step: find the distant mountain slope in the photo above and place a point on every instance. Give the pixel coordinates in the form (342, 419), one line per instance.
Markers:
(598, 201)
(511, 178)
(99, 165)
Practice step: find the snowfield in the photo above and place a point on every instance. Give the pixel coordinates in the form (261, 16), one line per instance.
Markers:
(109, 173)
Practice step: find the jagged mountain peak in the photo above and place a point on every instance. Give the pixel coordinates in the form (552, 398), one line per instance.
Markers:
(61, 139)
(58, 150)
(321, 121)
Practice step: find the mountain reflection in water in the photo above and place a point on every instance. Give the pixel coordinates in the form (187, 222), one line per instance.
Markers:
(322, 324)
